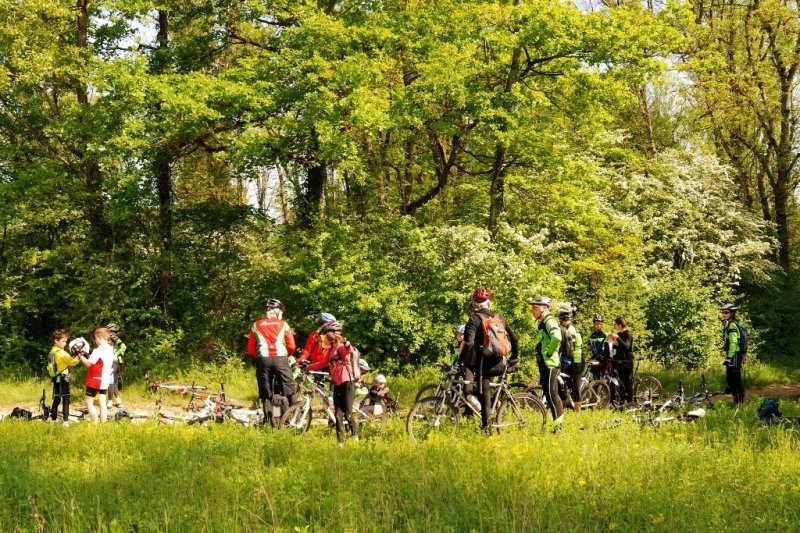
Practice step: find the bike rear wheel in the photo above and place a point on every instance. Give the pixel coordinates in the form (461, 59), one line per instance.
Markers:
(519, 411)
(596, 394)
(371, 415)
(431, 415)
(297, 417)
(647, 388)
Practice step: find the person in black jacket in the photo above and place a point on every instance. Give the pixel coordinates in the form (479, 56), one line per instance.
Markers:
(473, 356)
(623, 357)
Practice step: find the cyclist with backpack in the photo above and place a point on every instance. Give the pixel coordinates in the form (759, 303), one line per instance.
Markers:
(622, 360)
(270, 343)
(598, 348)
(59, 363)
(734, 340)
(488, 340)
(572, 355)
(339, 358)
(547, 355)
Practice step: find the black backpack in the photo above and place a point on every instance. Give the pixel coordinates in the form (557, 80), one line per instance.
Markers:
(567, 349)
(769, 410)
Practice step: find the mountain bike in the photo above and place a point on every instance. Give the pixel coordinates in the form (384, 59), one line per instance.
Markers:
(437, 389)
(441, 413)
(153, 387)
(645, 388)
(299, 417)
(595, 394)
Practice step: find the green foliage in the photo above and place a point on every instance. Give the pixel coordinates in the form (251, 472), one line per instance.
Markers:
(684, 320)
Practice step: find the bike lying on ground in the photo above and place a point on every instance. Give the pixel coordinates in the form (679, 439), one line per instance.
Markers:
(153, 387)
(440, 412)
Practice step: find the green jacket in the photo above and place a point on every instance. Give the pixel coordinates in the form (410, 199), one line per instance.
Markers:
(549, 333)
(730, 336)
(577, 354)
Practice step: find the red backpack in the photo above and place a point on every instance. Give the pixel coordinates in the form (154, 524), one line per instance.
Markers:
(495, 337)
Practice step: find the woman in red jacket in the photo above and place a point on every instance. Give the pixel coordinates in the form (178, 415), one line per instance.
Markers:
(337, 357)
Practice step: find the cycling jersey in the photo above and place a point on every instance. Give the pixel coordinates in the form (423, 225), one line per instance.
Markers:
(271, 337)
(338, 360)
(624, 347)
(577, 353)
(549, 334)
(730, 338)
(63, 360)
(315, 345)
(597, 343)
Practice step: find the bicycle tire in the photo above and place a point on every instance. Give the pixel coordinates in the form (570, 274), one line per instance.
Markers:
(297, 418)
(647, 388)
(427, 390)
(371, 422)
(431, 414)
(526, 410)
(598, 393)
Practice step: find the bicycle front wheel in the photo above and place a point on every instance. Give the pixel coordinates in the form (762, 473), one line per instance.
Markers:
(428, 390)
(297, 418)
(647, 388)
(431, 414)
(520, 411)
(596, 394)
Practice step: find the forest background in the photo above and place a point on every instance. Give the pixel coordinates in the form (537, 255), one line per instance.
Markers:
(171, 165)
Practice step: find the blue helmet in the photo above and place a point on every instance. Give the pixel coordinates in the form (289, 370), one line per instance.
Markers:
(326, 317)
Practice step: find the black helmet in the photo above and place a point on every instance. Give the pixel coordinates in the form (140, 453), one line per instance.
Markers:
(729, 307)
(274, 303)
(112, 327)
(598, 318)
(564, 313)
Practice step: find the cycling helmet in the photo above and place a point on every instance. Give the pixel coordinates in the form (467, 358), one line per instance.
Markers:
(540, 300)
(274, 303)
(481, 295)
(380, 378)
(78, 345)
(461, 329)
(564, 313)
(363, 365)
(112, 327)
(333, 325)
(729, 307)
(598, 318)
(326, 317)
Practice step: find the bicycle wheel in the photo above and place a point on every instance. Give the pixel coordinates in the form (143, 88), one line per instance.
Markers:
(431, 414)
(596, 395)
(427, 390)
(371, 415)
(519, 411)
(297, 417)
(647, 388)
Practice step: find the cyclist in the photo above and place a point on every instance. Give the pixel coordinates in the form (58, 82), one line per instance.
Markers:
(598, 348)
(115, 386)
(547, 355)
(622, 361)
(473, 355)
(270, 343)
(315, 344)
(577, 366)
(62, 361)
(378, 391)
(733, 355)
(338, 358)
(98, 376)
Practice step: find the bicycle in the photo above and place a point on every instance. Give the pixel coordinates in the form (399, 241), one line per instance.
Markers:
(298, 417)
(440, 413)
(645, 388)
(595, 394)
(436, 389)
(181, 389)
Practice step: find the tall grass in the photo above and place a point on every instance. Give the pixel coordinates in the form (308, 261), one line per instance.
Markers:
(724, 472)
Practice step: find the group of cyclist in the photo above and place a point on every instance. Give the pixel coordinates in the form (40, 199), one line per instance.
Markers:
(559, 349)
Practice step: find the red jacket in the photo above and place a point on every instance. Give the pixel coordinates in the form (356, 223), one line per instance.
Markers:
(314, 348)
(339, 362)
(271, 337)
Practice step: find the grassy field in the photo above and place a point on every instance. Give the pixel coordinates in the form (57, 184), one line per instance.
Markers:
(722, 473)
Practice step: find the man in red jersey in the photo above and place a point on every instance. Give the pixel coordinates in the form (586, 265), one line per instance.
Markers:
(271, 342)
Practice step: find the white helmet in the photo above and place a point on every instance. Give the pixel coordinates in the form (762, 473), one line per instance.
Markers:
(78, 345)
(380, 378)
(363, 365)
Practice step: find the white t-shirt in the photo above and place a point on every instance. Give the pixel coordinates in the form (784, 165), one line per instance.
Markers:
(105, 353)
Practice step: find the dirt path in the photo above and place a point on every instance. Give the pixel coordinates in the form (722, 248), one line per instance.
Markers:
(791, 390)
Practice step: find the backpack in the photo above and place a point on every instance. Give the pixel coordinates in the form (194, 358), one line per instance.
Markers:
(495, 337)
(52, 368)
(768, 410)
(567, 348)
(355, 355)
(742, 338)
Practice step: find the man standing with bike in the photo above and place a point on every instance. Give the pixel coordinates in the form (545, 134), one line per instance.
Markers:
(572, 338)
(481, 354)
(271, 342)
(599, 348)
(735, 348)
(547, 355)
(622, 360)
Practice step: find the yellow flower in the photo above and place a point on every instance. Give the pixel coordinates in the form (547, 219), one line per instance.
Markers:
(581, 482)
(612, 526)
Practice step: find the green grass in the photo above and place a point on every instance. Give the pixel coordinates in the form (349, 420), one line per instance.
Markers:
(722, 473)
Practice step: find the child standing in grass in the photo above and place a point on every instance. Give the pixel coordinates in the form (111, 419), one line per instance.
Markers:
(62, 362)
(98, 376)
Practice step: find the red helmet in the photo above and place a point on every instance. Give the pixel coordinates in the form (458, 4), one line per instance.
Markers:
(481, 295)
